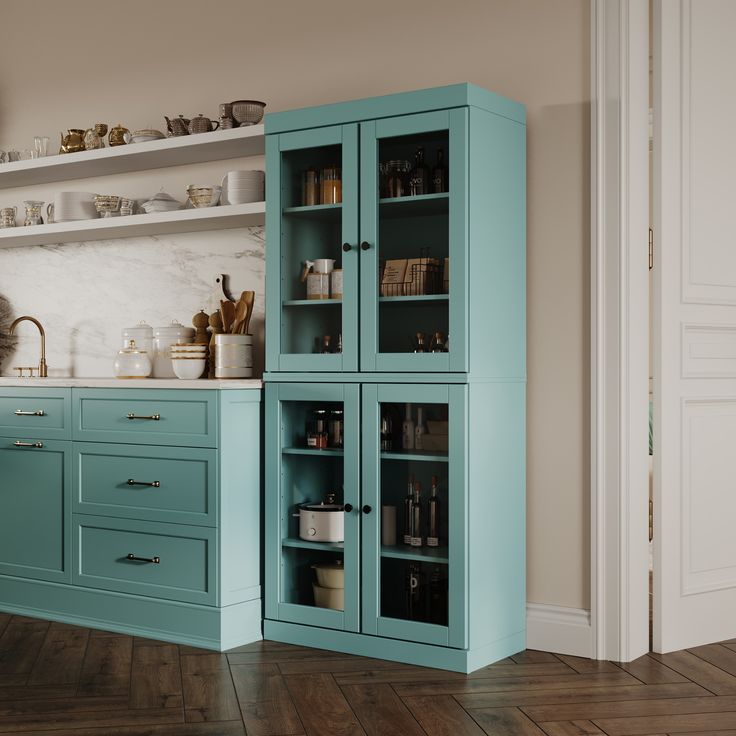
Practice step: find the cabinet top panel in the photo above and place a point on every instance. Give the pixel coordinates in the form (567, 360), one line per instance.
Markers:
(152, 383)
(405, 103)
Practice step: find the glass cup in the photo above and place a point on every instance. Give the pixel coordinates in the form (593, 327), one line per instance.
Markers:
(41, 145)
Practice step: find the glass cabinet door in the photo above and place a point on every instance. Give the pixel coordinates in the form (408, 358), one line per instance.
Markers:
(312, 502)
(312, 254)
(414, 512)
(413, 223)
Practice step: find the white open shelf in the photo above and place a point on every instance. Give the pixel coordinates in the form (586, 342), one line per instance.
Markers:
(179, 221)
(187, 149)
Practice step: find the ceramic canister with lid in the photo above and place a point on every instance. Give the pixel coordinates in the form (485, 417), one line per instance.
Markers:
(142, 333)
(163, 339)
(132, 362)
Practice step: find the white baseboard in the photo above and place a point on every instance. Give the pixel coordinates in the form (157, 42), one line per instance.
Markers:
(558, 629)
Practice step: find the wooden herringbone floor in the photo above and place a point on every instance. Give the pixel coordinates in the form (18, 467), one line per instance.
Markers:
(62, 680)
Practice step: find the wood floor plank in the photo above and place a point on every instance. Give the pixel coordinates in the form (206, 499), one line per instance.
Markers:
(265, 703)
(106, 666)
(580, 695)
(501, 684)
(717, 655)
(505, 722)
(659, 707)
(380, 711)
(227, 728)
(699, 671)
(321, 706)
(531, 656)
(4, 621)
(102, 719)
(644, 725)
(442, 716)
(208, 689)
(270, 656)
(336, 666)
(60, 705)
(25, 693)
(570, 728)
(20, 644)
(60, 659)
(585, 666)
(155, 680)
(651, 672)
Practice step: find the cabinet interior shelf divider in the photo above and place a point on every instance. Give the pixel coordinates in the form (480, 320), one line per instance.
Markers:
(304, 544)
(418, 554)
(312, 451)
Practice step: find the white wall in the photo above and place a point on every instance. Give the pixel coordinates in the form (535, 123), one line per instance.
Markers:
(85, 62)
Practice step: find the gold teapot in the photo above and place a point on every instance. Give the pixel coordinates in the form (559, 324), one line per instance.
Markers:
(73, 141)
(119, 135)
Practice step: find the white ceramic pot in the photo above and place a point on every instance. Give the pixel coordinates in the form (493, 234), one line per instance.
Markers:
(322, 522)
(132, 362)
(329, 597)
(163, 339)
(330, 574)
(142, 333)
(233, 356)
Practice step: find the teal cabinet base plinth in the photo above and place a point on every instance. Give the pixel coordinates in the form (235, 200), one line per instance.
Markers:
(207, 627)
(377, 647)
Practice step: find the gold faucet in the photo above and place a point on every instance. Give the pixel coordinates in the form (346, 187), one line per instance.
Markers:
(42, 367)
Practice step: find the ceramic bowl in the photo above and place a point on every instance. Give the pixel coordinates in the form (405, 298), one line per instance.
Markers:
(248, 112)
(188, 369)
(204, 196)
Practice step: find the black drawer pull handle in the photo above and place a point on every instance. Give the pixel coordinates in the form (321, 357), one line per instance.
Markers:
(367, 509)
(131, 556)
(155, 484)
(153, 417)
(37, 445)
(37, 413)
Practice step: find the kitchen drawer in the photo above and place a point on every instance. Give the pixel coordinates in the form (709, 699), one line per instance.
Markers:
(177, 485)
(187, 558)
(148, 416)
(44, 413)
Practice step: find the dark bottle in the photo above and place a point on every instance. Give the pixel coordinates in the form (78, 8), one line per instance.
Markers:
(414, 592)
(407, 511)
(416, 516)
(433, 531)
(419, 176)
(437, 597)
(439, 174)
(326, 344)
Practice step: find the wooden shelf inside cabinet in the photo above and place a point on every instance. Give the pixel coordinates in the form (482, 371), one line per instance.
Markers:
(159, 223)
(419, 299)
(416, 455)
(312, 451)
(418, 554)
(187, 149)
(310, 302)
(322, 546)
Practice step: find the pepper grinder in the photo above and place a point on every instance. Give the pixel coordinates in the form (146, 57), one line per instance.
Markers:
(200, 321)
(215, 321)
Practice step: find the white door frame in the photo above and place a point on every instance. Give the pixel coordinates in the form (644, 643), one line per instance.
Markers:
(619, 328)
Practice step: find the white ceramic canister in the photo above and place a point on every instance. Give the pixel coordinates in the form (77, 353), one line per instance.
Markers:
(233, 356)
(163, 339)
(318, 286)
(132, 362)
(336, 284)
(142, 333)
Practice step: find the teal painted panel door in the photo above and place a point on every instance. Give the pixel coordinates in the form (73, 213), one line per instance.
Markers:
(300, 471)
(34, 508)
(312, 228)
(414, 546)
(414, 242)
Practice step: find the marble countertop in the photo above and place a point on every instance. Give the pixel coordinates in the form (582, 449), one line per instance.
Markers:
(138, 383)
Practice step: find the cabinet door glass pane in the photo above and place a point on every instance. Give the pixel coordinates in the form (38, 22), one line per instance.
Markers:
(414, 533)
(312, 523)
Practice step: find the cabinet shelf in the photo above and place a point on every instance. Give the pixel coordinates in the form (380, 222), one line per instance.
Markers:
(322, 546)
(312, 451)
(420, 455)
(423, 204)
(188, 149)
(417, 554)
(311, 302)
(327, 212)
(159, 223)
(418, 299)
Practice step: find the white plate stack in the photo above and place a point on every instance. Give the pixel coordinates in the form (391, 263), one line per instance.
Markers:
(70, 206)
(241, 187)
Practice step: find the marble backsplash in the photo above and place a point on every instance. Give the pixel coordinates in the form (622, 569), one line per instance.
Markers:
(85, 293)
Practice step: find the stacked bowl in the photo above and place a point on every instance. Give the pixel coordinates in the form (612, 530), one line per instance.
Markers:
(70, 206)
(189, 360)
(203, 196)
(241, 187)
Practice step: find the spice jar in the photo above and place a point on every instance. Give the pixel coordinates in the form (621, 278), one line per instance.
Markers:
(336, 428)
(310, 187)
(331, 185)
(397, 181)
(317, 429)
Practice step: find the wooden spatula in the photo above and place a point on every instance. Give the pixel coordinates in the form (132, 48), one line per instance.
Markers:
(241, 309)
(227, 310)
(249, 298)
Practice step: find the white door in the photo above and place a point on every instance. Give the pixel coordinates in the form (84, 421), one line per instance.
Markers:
(695, 323)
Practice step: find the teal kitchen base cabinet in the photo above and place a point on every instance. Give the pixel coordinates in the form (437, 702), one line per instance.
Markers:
(133, 510)
(395, 383)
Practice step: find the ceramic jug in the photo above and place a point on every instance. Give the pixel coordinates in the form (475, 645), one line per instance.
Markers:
(73, 141)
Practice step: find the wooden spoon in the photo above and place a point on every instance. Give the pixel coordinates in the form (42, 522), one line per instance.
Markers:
(216, 325)
(249, 298)
(227, 310)
(241, 308)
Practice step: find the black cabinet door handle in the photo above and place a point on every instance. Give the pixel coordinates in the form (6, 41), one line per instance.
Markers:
(365, 245)
(347, 247)
(367, 509)
(348, 508)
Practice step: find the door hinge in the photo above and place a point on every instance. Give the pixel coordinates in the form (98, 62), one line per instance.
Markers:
(651, 249)
(651, 520)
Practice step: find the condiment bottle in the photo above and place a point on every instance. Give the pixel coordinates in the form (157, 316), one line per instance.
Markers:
(331, 185)
(310, 187)
(420, 430)
(419, 177)
(416, 516)
(439, 173)
(408, 501)
(433, 533)
(407, 430)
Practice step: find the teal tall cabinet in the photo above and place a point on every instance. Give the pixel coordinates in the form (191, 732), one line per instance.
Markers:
(450, 261)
